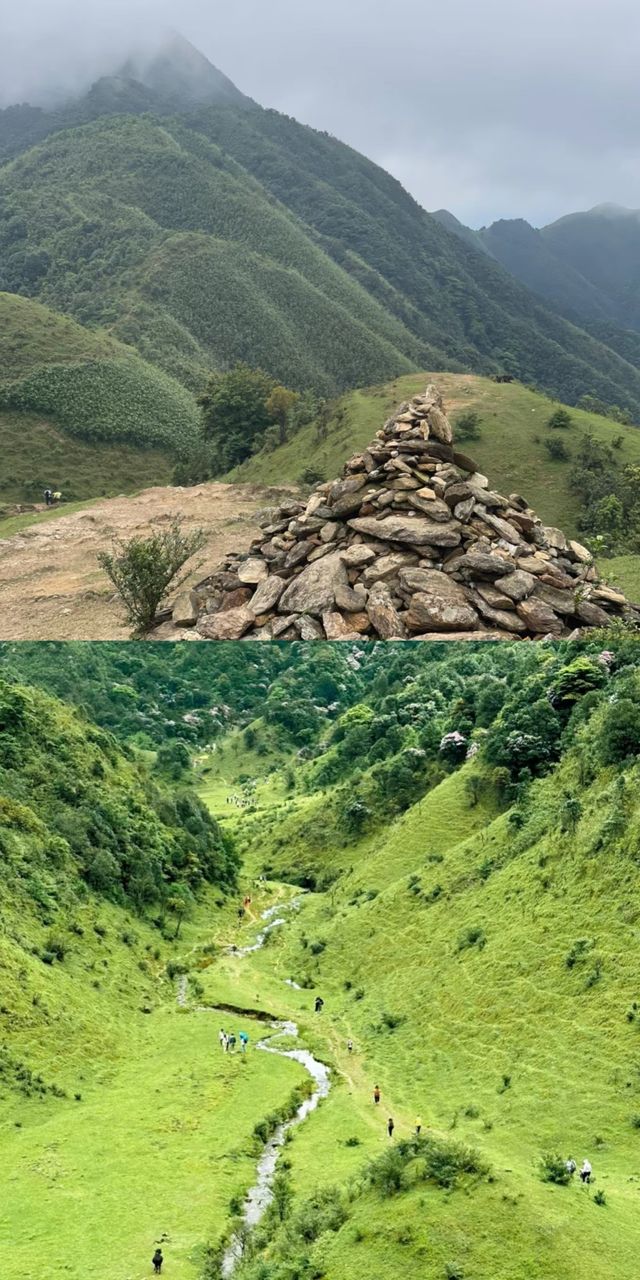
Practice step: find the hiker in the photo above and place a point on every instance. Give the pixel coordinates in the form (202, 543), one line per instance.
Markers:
(224, 1040)
(349, 1046)
(390, 1126)
(231, 1042)
(376, 1094)
(244, 1040)
(571, 1166)
(157, 1261)
(56, 496)
(585, 1173)
(418, 1126)
(241, 913)
(319, 1006)
(47, 497)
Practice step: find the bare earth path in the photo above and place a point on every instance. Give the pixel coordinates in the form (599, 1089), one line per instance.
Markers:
(51, 587)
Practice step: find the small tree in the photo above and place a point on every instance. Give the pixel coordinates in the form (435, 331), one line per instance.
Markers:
(560, 420)
(143, 569)
(280, 406)
(467, 426)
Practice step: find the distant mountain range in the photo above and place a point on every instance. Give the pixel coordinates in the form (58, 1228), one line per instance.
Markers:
(169, 209)
(586, 264)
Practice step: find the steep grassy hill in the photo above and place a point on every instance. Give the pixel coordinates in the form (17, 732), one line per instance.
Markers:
(229, 232)
(79, 410)
(481, 956)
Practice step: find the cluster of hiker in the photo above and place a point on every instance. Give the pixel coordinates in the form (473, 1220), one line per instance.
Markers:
(52, 497)
(585, 1172)
(411, 543)
(377, 1097)
(229, 1040)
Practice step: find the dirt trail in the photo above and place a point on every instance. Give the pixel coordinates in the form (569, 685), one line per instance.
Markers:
(51, 587)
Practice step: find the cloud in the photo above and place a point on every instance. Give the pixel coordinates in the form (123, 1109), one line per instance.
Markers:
(505, 108)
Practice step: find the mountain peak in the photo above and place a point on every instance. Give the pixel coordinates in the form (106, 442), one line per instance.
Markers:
(179, 72)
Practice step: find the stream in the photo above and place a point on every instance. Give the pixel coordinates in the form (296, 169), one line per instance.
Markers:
(260, 1195)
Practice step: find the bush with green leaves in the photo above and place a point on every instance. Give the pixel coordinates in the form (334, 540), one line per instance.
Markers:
(553, 1168)
(143, 569)
(467, 426)
(560, 420)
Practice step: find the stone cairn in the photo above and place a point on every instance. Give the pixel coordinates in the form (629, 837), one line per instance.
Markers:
(411, 543)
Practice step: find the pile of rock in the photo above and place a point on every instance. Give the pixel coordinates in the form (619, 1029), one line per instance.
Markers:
(411, 543)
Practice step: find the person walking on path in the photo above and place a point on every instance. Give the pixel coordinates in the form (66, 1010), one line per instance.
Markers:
(157, 1261)
(376, 1094)
(571, 1166)
(418, 1126)
(349, 1046)
(231, 1042)
(585, 1173)
(319, 1006)
(224, 1040)
(390, 1126)
(244, 1040)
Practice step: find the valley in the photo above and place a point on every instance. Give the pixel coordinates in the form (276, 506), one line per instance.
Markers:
(470, 926)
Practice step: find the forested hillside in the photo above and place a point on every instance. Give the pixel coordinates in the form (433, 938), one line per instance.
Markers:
(585, 264)
(228, 232)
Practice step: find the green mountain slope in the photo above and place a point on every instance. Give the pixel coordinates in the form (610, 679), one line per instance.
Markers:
(229, 232)
(472, 931)
(58, 377)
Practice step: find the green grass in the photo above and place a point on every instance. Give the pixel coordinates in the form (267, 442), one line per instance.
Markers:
(159, 1143)
(37, 455)
(511, 450)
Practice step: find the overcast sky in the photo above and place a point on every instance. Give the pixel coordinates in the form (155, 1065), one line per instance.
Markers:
(490, 108)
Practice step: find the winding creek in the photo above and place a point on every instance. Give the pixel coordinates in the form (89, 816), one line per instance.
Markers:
(260, 1195)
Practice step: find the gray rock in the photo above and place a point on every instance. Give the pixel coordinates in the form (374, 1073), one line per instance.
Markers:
(592, 614)
(560, 601)
(406, 529)
(231, 625)
(185, 610)
(539, 617)
(268, 594)
(517, 586)
(383, 615)
(357, 555)
(481, 564)
(440, 605)
(351, 600)
(386, 567)
(314, 590)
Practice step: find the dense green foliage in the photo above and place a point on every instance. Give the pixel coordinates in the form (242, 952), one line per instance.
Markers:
(585, 264)
(88, 384)
(239, 409)
(75, 810)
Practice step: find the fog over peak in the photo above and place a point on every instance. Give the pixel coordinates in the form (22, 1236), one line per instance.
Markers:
(492, 110)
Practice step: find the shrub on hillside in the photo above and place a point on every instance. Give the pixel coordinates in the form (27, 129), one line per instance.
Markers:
(473, 937)
(557, 450)
(143, 569)
(467, 426)
(424, 1159)
(553, 1168)
(560, 420)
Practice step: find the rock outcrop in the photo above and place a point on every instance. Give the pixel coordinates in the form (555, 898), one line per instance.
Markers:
(410, 543)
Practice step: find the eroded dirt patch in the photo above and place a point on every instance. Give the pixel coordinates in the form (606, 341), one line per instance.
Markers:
(51, 587)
